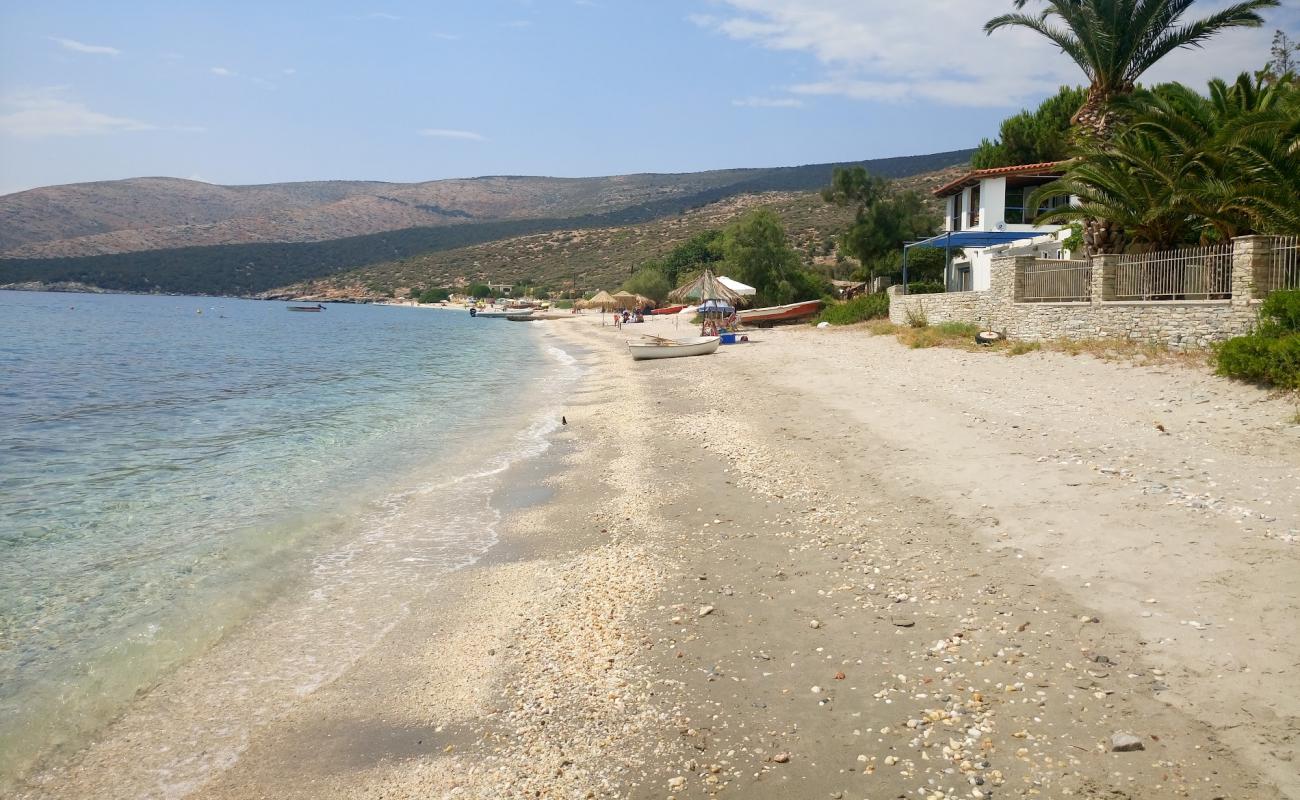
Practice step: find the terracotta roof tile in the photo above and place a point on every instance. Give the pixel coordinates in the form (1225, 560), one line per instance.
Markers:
(993, 172)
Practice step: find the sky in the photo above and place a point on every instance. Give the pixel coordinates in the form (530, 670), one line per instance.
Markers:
(236, 92)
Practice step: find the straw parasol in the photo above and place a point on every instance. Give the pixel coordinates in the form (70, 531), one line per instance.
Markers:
(642, 301)
(706, 287)
(602, 300)
(625, 299)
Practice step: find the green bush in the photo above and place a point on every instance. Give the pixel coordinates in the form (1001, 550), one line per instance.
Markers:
(1262, 359)
(925, 287)
(957, 329)
(1283, 310)
(859, 309)
(434, 296)
(1270, 355)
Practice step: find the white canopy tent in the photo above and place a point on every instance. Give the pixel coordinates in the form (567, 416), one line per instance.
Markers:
(737, 287)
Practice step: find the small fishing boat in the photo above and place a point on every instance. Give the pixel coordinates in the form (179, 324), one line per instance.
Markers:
(317, 307)
(668, 310)
(502, 313)
(520, 315)
(674, 348)
(774, 314)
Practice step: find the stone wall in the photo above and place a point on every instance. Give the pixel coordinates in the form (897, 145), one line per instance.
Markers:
(1177, 324)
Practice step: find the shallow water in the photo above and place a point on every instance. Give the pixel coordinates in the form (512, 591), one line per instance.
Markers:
(178, 470)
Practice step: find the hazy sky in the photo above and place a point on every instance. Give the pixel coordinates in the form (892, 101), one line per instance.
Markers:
(255, 92)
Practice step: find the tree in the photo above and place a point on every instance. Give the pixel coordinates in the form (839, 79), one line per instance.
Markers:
(883, 223)
(1033, 137)
(755, 251)
(1115, 41)
(434, 296)
(1283, 60)
(1191, 168)
(650, 282)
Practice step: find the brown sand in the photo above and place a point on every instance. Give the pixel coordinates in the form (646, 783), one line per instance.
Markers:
(823, 565)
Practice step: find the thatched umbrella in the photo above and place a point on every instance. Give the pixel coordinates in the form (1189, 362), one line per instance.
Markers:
(625, 299)
(706, 287)
(602, 300)
(642, 301)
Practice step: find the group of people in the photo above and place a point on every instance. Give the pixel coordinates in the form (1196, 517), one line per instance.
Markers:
(625, 316)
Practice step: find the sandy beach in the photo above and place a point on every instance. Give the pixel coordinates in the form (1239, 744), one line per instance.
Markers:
(821, 565)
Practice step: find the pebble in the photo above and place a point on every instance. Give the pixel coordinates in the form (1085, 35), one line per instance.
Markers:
(1125, 743)
(781, 758)
(706, 610)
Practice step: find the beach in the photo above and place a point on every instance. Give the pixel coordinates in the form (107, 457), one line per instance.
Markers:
(820, 564)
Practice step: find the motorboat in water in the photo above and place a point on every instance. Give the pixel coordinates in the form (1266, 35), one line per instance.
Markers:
(674, 348)
(317, 307)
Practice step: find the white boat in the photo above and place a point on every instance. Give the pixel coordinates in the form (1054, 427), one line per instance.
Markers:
(503, 313)
(674, 348)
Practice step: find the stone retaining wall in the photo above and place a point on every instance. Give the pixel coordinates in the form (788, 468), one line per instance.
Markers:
(1177, 324)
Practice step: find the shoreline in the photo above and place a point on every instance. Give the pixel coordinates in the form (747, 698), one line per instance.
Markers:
(837, 567)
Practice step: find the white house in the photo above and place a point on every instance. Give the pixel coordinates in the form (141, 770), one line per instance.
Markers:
(992, 201)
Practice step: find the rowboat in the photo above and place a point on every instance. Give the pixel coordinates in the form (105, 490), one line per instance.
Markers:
(674, 348)
(668, 310)
(774, 314)
(317, 307)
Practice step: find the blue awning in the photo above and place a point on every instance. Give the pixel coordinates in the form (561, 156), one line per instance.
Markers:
(976, 239)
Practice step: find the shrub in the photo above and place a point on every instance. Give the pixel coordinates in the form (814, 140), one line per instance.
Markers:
(859, 309)
(916, 318)
(925, 287)
(958, 329)
(1263, 357)
(434, 296)
(1270, 355)
(1283, 310)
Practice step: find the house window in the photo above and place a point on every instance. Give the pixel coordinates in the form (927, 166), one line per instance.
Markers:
(956, 212)
(1015, 214)
(963, 279)
(1053, 203)
(975, 207)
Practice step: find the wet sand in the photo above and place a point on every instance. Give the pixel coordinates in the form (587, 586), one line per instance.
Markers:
(823, 565)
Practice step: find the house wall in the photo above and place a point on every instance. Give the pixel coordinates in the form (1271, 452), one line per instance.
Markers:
(1179, 325)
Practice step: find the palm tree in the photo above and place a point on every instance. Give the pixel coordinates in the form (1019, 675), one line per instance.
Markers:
(1189, 167)
(1115, 41)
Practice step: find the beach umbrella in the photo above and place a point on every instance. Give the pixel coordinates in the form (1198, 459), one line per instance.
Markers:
(602, 300)
(642, 301)
(744, 290)
(706, 287)
(625, 299)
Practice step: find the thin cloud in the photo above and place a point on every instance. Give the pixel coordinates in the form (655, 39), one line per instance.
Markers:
(383, 15)
(82, 47)
(223, 72)
(517, 23)
(289, 71)
(768, 102)
(47, 112)
(895, 53)
(448, 133)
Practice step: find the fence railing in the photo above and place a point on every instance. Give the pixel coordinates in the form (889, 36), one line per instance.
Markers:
(1284, 271)
(1193, 273)
(1056, 281)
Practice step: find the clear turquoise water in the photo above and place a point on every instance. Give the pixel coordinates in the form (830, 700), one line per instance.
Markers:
(167, 476)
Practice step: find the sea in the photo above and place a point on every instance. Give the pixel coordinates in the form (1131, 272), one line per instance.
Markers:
(180, 475)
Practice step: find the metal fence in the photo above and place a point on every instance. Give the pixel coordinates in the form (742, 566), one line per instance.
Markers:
(1056, 281)
(1193, 273)
(1284, 271)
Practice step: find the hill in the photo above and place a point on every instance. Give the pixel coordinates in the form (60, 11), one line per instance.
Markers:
(191, 237)
(567, 260)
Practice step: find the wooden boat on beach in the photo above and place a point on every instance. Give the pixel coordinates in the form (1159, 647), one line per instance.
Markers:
(673, 348)
(668, 310)
(774, 314)
(317, 307)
